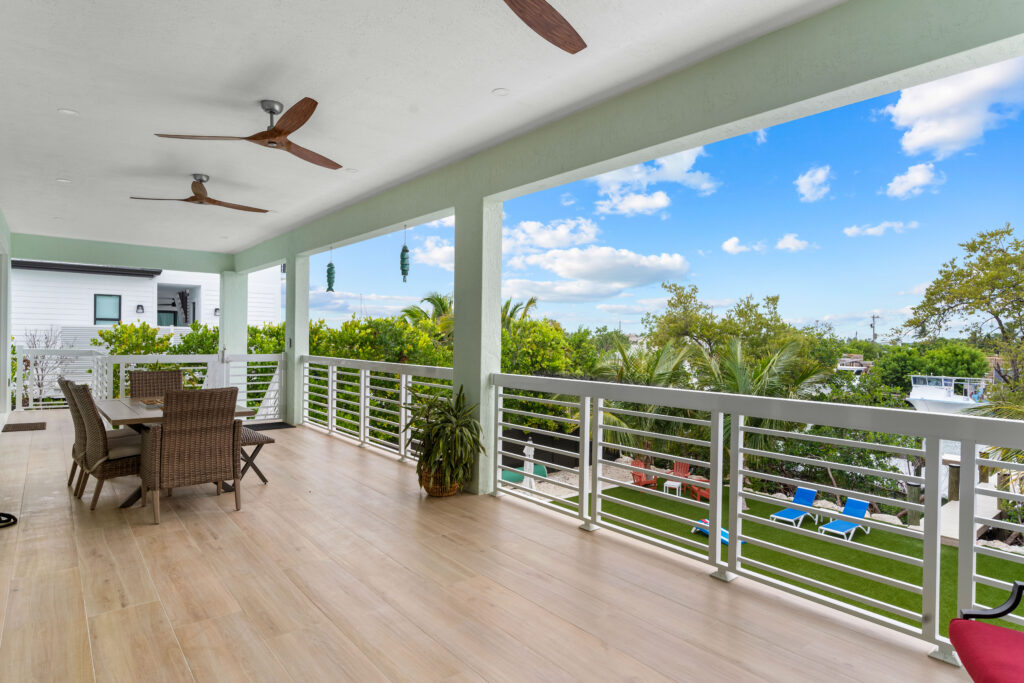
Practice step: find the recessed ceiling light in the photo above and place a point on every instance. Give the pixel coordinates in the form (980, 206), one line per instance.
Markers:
(63, 180)
(67, 112)
(351, 170)
(500, 92)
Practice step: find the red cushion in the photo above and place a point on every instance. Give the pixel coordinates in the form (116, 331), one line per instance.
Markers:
(990, 653)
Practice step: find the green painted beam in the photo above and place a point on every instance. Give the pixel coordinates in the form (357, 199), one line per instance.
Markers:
(42, 248)
(857, 50)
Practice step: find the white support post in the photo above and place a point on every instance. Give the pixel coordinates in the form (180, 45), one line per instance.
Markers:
(499, 405)
(966, 564)
(296, 335)
(122, 379)
(585, 465)
(596, 462)
(364, 406)
(19, 378)
(6, 391)
(332, 397)
(735, 501)
(233, 329)
(717, 488)
(403, 416)
(931, 556)
(478, 324)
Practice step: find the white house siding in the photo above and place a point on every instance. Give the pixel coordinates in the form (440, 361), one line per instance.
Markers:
(41, 299)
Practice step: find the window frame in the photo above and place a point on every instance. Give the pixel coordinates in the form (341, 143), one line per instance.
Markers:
(106, 321)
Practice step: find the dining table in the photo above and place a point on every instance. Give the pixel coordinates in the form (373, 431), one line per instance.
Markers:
(138, 414)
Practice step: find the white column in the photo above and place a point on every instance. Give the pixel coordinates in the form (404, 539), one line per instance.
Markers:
(5, 334)
(478, 317)
(296, 333)
(234, 312)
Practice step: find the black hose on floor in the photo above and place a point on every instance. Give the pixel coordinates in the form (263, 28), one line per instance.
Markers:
(7, 519)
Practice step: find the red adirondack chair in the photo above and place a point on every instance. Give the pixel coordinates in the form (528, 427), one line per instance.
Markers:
(679, 469)
(642, 478)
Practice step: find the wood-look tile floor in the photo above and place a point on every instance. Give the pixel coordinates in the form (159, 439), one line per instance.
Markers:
(341, 570)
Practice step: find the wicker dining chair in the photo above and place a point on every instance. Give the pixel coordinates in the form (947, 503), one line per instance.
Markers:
(153, 383)
(198, 442)
(78, 447)
(105, 457)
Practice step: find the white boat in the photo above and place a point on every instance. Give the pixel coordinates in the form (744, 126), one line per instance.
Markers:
(938, 394)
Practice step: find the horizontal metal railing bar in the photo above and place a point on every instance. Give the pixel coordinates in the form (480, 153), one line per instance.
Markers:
(1000, 464)
(832, 564)
(373, 418)
(379, 409)
(537, 477)
(663, 475)
(652, 492)
(863, 521)
(541, 416)
(517, 492)
(656, 435)
(679, 519)
(834, 490)
(342, 418)
(1001, 554)
(631, 525)
(537, 399)
(384, 444)
(960, 427)
(1000, 524)
(834, 540)
(816, 462)
(1001, 495)
(821, 585)
(636, 450)
(384, 399)
(657, 416)
(379, 366)
(431, 384)
(535, 461)
(835, 441)
(992, 583)
(378, 388)
(419, 395)
(385, 378)
(538, 430)
(541, 447)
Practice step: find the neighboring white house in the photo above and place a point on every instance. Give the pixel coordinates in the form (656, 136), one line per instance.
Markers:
(77, 299)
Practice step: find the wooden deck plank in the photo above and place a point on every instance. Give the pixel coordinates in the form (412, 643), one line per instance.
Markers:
(137, 644)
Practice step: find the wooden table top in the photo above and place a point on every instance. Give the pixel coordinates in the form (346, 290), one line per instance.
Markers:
(132, 411)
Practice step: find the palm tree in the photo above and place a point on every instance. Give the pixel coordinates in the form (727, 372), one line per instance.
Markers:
(517, 311)
(442, 312)
(1009, 406)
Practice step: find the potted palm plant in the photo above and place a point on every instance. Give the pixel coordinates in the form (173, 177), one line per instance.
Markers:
(450, 440)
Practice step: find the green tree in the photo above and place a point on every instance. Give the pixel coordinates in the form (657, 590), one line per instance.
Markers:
(442, 312)
(200, 339)
(985, 291)
(955, 360)
(686, 319)
(896, 367)
(516, 311)
(132, 339)
(535, 347)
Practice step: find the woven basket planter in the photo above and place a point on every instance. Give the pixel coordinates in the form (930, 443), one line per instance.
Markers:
(435, 487)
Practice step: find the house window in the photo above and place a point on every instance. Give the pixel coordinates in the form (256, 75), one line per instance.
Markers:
(106, 309)
(165, 318)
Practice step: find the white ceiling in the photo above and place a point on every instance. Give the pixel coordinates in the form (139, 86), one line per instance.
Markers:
(404, 87)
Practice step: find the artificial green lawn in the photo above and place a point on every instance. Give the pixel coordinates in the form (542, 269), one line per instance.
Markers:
(988, 566)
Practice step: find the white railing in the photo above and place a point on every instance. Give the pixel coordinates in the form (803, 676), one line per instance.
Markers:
(259, 377)
(738, 451)
(368, 401)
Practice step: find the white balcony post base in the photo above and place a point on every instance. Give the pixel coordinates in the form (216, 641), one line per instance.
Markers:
(589, 526)
(945, 653)
(723, 574)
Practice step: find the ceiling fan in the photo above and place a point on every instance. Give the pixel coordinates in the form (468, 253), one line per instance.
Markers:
(199, 196)
(276, 135)
(548, 23)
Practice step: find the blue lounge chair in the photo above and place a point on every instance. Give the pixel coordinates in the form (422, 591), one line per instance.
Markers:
(840, 527)
(792, 515)
(516, 476)
(702, 530)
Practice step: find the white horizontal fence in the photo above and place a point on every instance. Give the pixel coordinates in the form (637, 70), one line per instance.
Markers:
(257, 376)
(369, 401)
(594, 443)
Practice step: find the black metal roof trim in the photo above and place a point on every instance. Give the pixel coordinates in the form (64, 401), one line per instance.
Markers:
(84, 268)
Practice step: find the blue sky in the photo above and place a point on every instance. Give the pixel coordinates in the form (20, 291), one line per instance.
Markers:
(843, 214)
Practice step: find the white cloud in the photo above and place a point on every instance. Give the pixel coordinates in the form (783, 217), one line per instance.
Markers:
(530, 236)
(719, 303)
(879, 229)
(324, 302)
(813, 184)
(622, 308)
(916, 290)
(571, 291)
(761, 136)
(951, 114)
(633, 203)
(567, 199)
(790, 242)
(435, 252)
(913, 182)
(446, 222)
(733, 246)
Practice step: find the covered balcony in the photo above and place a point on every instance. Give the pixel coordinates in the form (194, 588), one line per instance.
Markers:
(584, 562)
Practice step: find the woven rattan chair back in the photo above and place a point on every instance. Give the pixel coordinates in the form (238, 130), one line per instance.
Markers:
(153, 383)
(199, 437)
(95, 431)
(76, 416)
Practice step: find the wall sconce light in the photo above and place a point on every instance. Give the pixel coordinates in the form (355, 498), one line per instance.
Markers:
(216, 311)
(140, 309)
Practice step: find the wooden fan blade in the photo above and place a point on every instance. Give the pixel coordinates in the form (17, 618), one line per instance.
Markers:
(198, 189)
(198, 137)
(548, 23)
(228, 205)
(296, 116)
(160, 199)
(310, 156)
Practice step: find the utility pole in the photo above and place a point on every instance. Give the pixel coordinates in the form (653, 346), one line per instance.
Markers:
(874, 332)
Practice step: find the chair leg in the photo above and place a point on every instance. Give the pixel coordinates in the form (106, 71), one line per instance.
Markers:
(218, 488)
(96, 494)
(74, 468)
(83, 479)
(170, 492)
(145, 494)
(156, 506)
(238, 493)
